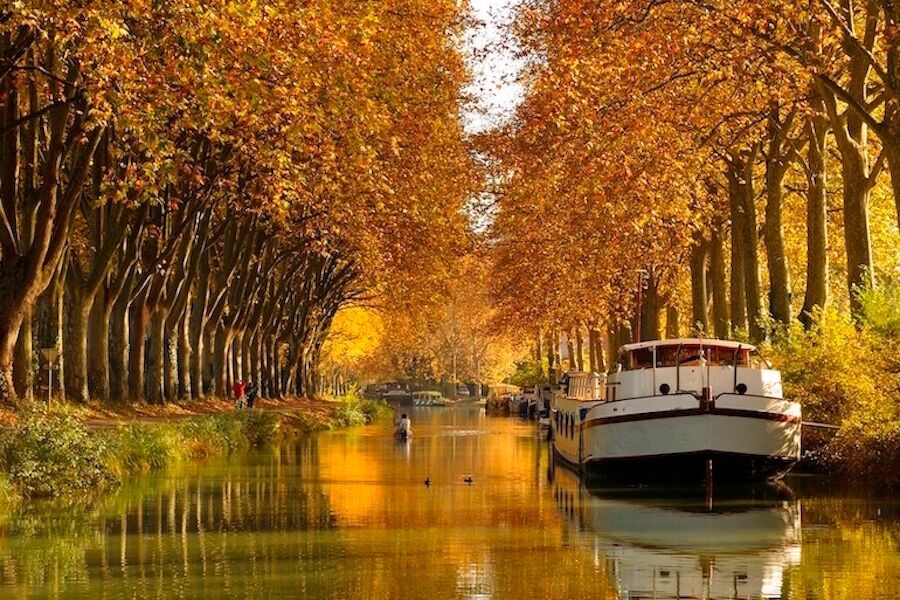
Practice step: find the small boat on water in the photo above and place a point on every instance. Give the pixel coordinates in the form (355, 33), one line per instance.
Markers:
(679, 410)
(429, 398)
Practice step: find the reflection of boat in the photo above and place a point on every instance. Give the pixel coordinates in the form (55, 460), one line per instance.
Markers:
(673, 409)
(675, 549)
(428, 398)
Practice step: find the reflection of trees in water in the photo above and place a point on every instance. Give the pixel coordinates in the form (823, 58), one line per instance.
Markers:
(851, 549)
(332, 517)
(212, 518)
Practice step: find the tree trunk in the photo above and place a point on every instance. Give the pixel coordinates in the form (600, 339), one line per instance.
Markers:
(76, 343)
(592, 350)
(119, 351)
(779, 276)
(171, 379)
(551, 358)
(185, 356)
(237, 358)
(673, 327)
(602, 355)
(892, 150)
(275, 368)
(750, 253)
(717, 283)
(650, 308)
(857, 237)
(579, 349)
(698, 285)
(737, 302)
(155, 360)
(570, 349)
(613, 342)
(198, 350)
(23, 361)
(254, 367)
(59, 342)
(137, 337)
(12, 313)
(851, 137)
(220, 362)
(816, 222)
(98, 352)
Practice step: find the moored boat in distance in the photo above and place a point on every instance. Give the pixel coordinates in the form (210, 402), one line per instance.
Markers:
(429, 398)
(674, 410)
(395, 393)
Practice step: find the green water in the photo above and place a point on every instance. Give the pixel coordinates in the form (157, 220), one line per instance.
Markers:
(347, 515)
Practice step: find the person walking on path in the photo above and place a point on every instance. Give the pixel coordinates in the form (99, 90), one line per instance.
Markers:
(251, 394)
(238, 390)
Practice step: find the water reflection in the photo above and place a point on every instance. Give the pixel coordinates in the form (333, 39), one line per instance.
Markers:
(347, 515)
(677, 547)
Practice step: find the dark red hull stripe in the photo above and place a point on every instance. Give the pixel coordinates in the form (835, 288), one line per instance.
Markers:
(692, 412)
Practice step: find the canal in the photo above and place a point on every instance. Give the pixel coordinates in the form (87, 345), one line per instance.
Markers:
(347, 514)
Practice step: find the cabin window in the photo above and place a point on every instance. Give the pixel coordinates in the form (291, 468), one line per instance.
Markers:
(642, 358)
(689, 356)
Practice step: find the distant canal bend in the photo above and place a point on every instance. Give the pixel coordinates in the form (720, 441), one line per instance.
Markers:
(348, 515)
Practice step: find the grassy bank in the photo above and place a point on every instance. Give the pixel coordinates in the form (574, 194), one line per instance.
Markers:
(848, 374)
(57, 455)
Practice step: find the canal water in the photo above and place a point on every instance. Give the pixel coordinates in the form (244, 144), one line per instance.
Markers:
(347, 515)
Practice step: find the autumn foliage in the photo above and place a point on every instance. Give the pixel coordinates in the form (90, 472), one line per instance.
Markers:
(192, 190)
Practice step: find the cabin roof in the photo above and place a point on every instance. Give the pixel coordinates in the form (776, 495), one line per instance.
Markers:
(687, 342)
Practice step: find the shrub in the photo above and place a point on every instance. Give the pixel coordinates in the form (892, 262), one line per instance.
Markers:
(8, 493)
(139, 448)
(374, 409)
(227, 432)
(836, 371)
(867, 451)
(527, 372)
(53, 456)
(348, 414)
(881, 308)
(847, 375)
(259, 428)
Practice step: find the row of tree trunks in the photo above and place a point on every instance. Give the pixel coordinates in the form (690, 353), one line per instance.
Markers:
(176, 331)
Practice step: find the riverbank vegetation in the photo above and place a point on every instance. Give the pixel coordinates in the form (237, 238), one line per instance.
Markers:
(57, 455)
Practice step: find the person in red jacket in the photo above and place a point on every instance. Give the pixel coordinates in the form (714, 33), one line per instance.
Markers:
(238, 390)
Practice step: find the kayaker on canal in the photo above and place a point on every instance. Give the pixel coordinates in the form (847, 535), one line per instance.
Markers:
(404, 428)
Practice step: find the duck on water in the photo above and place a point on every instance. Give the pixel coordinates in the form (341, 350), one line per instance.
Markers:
(675, 409)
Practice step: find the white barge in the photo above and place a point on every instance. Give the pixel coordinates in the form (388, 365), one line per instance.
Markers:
(676, 409)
